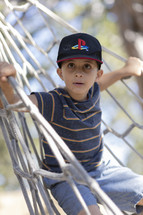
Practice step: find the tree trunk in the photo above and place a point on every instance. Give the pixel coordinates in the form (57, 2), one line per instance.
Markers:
(130, 20)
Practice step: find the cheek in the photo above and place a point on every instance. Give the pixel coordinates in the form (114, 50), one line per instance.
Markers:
(66, 78)
(92, 77)
(95, 76)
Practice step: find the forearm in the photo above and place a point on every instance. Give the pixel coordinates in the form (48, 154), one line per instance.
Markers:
(9, 94)
(7, 70)
(133, 67)
(110, 78)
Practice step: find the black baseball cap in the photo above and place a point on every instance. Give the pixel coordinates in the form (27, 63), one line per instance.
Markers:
(79, 46)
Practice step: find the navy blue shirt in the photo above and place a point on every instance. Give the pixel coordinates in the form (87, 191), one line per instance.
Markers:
(77, 123)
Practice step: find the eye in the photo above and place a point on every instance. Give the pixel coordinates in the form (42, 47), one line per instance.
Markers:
(87, 66)
(70, 65)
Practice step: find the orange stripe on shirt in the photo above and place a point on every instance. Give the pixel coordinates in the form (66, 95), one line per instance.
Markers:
(84, 111)
(42, 103)
(46, 166)
(89, 150)
(80, 141)
(78, 129)
(53, 109)
(61, 94)
(50, 156)
(69, 118)
(91, 115)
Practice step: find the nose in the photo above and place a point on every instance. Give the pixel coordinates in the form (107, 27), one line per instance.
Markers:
(78, 74)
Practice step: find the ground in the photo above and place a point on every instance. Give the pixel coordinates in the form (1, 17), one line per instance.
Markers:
(13, 203)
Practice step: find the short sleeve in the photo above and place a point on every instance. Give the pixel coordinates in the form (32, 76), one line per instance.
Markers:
(45, 104)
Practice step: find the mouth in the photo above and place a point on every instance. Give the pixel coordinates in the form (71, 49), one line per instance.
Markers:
(78, 84)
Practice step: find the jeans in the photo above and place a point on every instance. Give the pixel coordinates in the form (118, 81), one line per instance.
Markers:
(123, 186)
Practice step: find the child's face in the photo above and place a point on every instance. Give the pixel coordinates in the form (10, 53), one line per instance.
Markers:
(79, 76)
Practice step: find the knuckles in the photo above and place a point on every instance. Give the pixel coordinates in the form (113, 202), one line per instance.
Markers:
(6, 69)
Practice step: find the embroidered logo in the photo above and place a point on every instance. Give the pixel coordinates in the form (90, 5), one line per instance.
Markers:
(81, 45)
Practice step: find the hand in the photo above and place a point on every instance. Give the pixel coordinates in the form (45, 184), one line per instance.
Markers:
(133, 67)
(6, 70)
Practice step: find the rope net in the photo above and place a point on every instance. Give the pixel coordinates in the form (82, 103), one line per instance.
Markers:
(34, 61)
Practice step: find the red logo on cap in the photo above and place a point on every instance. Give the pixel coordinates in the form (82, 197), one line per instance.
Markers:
(81, 45)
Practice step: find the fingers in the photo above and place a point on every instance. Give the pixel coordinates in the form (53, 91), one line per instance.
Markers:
(140, 65)
(134, 66)
(6, 70)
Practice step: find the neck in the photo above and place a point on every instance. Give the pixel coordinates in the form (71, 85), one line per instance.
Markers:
(77, 97)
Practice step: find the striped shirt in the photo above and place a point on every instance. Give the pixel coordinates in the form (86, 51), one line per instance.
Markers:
(77, 123)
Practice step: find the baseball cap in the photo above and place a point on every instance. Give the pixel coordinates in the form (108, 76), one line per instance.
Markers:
(79, 46)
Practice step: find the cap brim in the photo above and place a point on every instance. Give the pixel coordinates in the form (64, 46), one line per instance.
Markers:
(79, 57)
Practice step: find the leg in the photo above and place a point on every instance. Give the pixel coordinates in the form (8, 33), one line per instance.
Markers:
(94, 209)
(66, 198)
(123, 186)
(140, 202)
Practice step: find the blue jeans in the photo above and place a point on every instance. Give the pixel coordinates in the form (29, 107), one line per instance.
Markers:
(122, 185)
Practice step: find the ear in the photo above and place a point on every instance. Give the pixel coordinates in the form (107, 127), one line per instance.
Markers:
(99, 74)
(59, 72)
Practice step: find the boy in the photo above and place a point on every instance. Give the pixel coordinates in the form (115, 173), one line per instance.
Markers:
(74, 112)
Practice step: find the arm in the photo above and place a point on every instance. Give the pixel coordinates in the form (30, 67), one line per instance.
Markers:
(7, 70)
(133, 67)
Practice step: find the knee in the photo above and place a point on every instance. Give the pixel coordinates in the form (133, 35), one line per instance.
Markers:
(140, 202)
